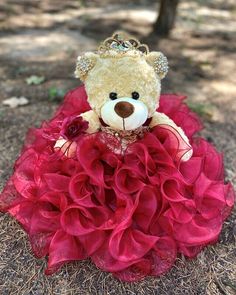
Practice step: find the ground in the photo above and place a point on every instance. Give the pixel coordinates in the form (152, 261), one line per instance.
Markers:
(43, 38)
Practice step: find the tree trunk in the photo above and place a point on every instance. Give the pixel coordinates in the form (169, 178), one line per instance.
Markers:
(166, 17)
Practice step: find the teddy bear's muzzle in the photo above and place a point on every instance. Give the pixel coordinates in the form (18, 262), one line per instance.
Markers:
(124, 113)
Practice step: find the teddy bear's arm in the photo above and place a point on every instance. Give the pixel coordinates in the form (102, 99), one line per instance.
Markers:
(68, 147)
(93, 120)
(162, 119)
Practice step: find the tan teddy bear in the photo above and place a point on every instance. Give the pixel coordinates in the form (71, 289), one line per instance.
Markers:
(123, 84)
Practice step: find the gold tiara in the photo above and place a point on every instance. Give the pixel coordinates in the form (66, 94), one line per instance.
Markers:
(120, 44)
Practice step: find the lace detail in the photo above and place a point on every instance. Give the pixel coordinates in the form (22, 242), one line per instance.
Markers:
(124, 137)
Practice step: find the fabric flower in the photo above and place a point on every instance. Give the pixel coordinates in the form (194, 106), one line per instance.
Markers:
(73, 127)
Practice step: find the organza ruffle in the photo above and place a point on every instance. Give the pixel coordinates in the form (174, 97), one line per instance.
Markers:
(131, 212)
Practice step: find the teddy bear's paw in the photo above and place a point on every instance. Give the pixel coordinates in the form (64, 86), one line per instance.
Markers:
(161, 119)
(187, 156)
(93, 119)
(66, 147)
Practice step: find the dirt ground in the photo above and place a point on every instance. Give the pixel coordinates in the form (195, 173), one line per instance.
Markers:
(43, 38)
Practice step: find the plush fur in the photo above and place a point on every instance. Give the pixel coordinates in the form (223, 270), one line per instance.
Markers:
(123, 74)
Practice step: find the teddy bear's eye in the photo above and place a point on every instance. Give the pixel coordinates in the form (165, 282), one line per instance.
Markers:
(113, 95)
(135, 95)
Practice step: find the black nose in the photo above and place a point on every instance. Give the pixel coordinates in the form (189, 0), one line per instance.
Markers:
(124, 109)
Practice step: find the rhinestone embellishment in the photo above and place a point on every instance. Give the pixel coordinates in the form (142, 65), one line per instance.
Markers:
(121, 44)
(83, 66)
(124, 46)
(124, 137)
(161, 65)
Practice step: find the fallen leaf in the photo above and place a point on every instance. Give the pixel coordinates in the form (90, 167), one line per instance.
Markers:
(14, 102)
(55, 93)
(35, 80)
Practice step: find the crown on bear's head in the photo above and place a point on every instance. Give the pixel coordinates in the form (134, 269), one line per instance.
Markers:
(120, 44)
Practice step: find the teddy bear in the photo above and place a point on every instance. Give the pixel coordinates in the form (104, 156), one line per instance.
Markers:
(123, 84)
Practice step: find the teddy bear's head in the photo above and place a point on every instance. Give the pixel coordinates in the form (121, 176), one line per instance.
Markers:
(122, 81)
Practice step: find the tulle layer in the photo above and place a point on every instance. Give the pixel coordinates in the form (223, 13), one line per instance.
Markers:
(131, 212)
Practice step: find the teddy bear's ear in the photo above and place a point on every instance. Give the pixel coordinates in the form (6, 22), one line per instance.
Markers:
(159, 62)
(84, 64)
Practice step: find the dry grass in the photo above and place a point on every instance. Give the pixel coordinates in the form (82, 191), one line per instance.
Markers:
(201, 53)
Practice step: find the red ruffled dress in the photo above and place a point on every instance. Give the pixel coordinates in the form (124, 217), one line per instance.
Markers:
(130, 212)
